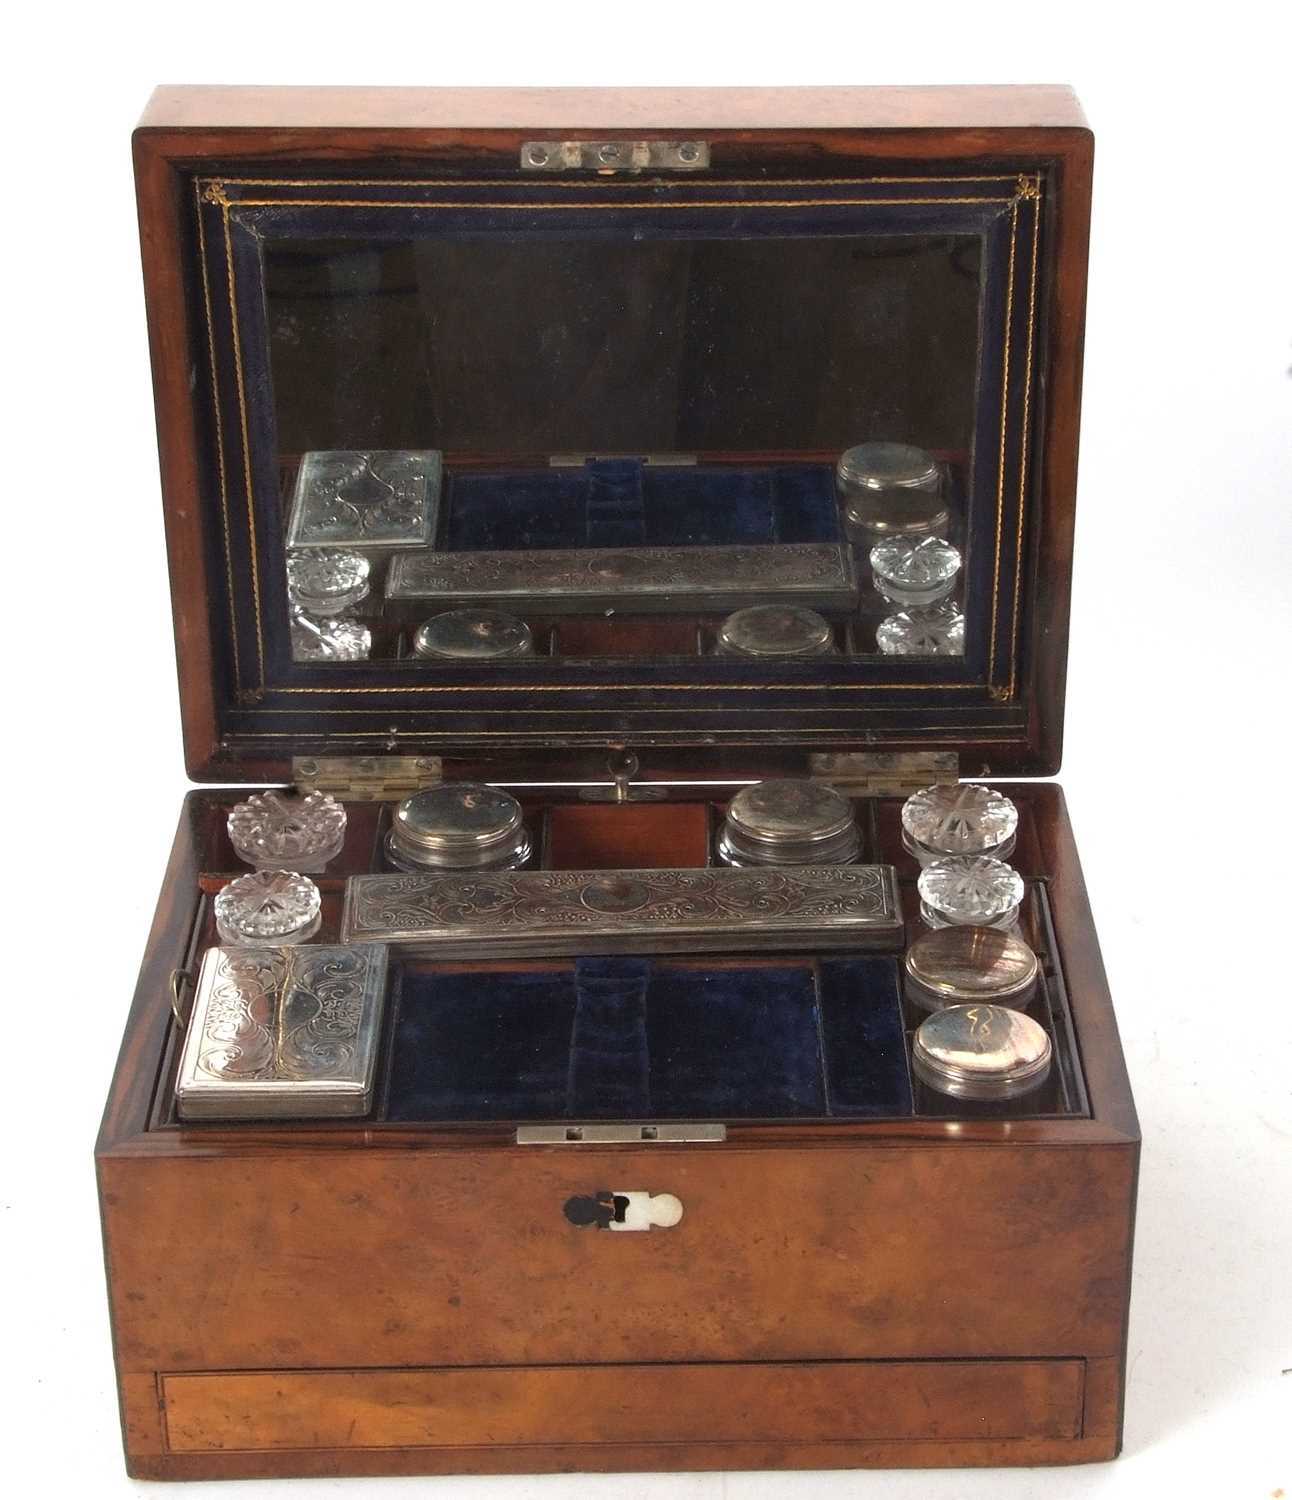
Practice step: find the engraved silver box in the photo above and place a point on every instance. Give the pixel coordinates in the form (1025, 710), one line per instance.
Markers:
(278, 830)
(890, 489)
(981, 1052)
(775, 630)
(366, 500)
(639, 580)
(537, 913)
(271, 908)
(970, 890)
(325, 580)
(479, 634)
(283, 1032)
(964, 818)
(458, 825)
(789, 822)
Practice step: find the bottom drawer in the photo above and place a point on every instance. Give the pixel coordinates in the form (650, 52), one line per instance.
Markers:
(841, 1401)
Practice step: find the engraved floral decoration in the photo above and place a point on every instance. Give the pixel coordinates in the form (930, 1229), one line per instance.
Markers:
(277, 829)
(959, 819)
(365, 498)
(971, 888)
(924, 632)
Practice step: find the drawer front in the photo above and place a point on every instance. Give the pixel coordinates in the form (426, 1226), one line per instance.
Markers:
(417, 1259)
(845, 1402)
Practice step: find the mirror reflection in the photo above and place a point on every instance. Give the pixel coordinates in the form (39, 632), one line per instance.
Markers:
(497, 447)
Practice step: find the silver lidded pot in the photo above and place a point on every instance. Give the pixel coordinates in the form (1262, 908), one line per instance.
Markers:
(970, 966)
(775, 630)
(890, 489)
(981, 1052)
(463, 825)
(789, 822)
(963, 818)
(473, 635)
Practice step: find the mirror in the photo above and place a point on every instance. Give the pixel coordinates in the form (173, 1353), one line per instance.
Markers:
(571, 443)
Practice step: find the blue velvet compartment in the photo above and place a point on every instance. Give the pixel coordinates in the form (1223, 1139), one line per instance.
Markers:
(623, 503)
(625, 1038)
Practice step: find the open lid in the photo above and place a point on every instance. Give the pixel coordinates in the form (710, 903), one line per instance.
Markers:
(481, 413)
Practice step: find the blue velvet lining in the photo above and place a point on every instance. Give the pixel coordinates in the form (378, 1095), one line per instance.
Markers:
(625, 1038)
(623, 503)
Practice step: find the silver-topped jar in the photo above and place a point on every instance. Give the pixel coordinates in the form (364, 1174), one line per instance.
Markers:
(775, 630)
(970, 890)
(328, 639)
(327, 580)
(789, 822)
(981, 1052)
(969, 966)
(939, 631)
(963, 818)
(276, 830)
(473, 635)
(890, 489)
(461, 825)
(271, 908)
(914, 572)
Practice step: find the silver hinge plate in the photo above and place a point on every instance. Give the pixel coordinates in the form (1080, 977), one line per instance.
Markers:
(367, 778)
(617, 1135)
(614, 156)
(877, 773)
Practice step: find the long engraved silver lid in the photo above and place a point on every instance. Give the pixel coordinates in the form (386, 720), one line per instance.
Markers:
(789, 822)
(968, 965)
(775, 630)
(268, 908)
(963, 818)
(327, 580)
(939, 631)
(914, 572)
(463, 825)
(276, 830)
(970, 890)
(473, 635)
(981, 1052)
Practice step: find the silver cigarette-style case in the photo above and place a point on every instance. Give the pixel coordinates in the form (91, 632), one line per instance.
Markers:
(366, 500)
(279, 1033)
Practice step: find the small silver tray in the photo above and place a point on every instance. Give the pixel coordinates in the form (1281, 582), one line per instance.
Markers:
(540, 913)
(280, 1033)
(365, 500)
(645, 580)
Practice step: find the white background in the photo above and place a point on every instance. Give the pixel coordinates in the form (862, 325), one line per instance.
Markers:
(1177, 745)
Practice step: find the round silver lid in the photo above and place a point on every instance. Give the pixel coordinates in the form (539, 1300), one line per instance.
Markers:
(776, 630)
(268, 907)
(971, 889)
(887, 466)
(327, 580)
(959, 819)
(473, 635)
(462, 817)
(981, 1052)
(915, 564)
(923, 632)
(790, 811)
(277, 830)
(964, 965)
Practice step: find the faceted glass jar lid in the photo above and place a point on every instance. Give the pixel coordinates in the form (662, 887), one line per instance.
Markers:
(960, 819)
(275, 830)
(775, 630)
(961, 965)
(473, 635)
(327, 580)
(916, 564)
(268, 907)
(932, 632)
(971, 889)
(981, 1052)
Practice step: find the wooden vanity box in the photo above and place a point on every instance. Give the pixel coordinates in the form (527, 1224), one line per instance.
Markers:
(704, 296)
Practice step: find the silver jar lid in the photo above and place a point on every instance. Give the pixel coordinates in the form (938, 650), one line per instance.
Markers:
(275, 830)
(473, 635)
(964, 818)
(939, 631)
(915, 572)
(879, 467)
(970, 890)
(328, 639)
(981, 1052)
(461, 825)
(327, 580)
(789, 822)
(890, 489)
(968, 965)
(268, 908)
(775, 630)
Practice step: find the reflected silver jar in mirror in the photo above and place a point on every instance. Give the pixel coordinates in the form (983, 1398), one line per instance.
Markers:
(969, 966)
(890, 489)
(789, 822)
(970, 890)
(981, 1052)
(963, 818)
(939, 631)
(473, 635)
(915, 573)
(271, 908)
(276, 830)
(327, 581)
(458, 826)
(775, 630)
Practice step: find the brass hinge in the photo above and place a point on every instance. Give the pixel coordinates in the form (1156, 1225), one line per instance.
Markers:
(614, 156)
(879, 773)
(367, 778)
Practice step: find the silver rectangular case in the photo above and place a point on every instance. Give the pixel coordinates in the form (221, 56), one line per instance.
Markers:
(373, 500)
